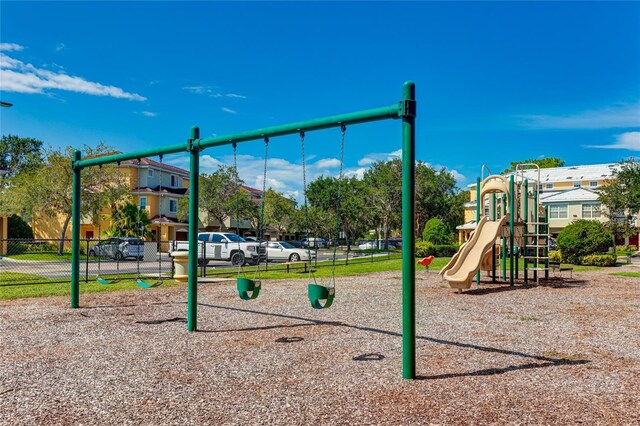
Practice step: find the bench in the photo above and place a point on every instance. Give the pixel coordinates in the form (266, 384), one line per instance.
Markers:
(556, 267)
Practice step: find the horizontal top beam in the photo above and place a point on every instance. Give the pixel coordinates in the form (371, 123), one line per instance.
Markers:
(390, 112)
(395, 111)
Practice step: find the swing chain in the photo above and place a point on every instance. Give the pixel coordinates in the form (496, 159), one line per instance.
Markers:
(306, 206)
(343, 130)
(264, 192)
(237, 191)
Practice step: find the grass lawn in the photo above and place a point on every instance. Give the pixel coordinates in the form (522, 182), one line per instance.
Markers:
(53, 287)
(626, 274)
(44, 256)
(355, 267)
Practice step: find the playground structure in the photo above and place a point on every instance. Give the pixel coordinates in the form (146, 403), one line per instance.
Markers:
(514, 226)
(404, 110)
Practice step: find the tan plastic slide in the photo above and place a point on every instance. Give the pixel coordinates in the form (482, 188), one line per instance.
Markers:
(463, 266)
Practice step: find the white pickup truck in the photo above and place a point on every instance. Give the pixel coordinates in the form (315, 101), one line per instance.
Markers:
(224, 246)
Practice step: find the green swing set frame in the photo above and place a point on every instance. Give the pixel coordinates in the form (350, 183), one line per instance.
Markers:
(405, 110)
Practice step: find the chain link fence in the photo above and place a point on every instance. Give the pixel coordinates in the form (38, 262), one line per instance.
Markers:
(39, 261)
(42, 261)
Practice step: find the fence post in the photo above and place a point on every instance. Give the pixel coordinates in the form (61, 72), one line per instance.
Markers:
(86, 270)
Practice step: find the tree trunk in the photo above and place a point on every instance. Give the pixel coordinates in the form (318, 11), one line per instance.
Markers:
(64, 232)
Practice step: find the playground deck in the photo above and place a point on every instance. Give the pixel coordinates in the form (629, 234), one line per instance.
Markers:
(558, 354)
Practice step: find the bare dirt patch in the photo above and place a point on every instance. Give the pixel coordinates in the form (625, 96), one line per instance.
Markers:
(562, 353)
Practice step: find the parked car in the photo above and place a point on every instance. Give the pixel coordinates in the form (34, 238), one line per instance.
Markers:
(118, 248)
(224, 246)
(296, 243)
(367, 245)
(314, 243)
(282, 250)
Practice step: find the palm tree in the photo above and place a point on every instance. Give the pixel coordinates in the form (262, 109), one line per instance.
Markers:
(129, 221)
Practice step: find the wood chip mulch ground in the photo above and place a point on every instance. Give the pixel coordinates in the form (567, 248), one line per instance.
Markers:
(567, 352)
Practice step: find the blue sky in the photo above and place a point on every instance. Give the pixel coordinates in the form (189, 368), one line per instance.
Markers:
(496, 82)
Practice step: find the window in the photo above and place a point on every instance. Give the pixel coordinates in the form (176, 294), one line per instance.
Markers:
(174, 180)
(143, 202)
(173, 205)
(593, 183)
(577, 184)
(217, 238)
(150, 172)
(203, 237)
(549, 186)
(558, 211)
(591, 211)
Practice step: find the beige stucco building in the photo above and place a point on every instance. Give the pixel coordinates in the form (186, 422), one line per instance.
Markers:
(568, 192)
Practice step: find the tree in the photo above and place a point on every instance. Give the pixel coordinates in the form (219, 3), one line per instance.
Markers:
(18, 228)
(19, 154)
(278, 210)
(218, 193)
(435, 197)
(384, 180)
(621, 197)
(130, 221)
(350, 205)
(436, 232)
(544, 163)
(46, 190)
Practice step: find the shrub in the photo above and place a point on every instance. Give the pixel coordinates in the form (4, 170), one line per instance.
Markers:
(623, 249)
(18, 228)
(40, 247)
(16, 248)
(436, 232)
(599, 260)
(424, 249)
(582, 238)
(555, 256)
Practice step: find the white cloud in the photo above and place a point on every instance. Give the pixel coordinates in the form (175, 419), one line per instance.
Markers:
(149, 113)
(358, 173)
(60, 47)
(622, 115)
(459, 177)
(8, 47)
(629, 141)
(17, 76)
(197, 89)
(229, 110)
(327, 163)
(379, 156)
(212, 92)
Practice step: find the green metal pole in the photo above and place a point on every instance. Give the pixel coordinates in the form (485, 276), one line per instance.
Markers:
(526, 229)
(546, 250)
(512, 210)
(479, 205)
(75, 234)
(504, 241)
(408, 232)
(194, 194)
(536, 219)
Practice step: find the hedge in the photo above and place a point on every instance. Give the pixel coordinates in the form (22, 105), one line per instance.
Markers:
(424, 249)
(599, 260)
